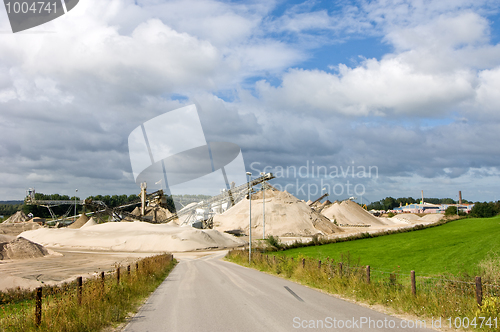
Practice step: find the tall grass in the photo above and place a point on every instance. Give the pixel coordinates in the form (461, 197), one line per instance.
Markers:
(102, 303)
(435, 297)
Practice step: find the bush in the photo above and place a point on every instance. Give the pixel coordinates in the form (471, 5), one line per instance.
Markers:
(483, 210)
(274, 241)
(452, 211)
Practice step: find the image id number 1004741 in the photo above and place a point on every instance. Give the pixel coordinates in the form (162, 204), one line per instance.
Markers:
(35, 7)
(476, 322)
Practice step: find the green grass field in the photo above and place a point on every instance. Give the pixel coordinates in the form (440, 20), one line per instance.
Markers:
(456, 247)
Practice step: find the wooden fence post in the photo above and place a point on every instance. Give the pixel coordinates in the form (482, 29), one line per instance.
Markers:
(479, 291)
(340, 269)
(128, 270)
(368, 274)
(413, 283)
(118, 275)
(303, 262)
(38, 308)
(102, 281)
(79, 288)
(319, 264)
(136, 267)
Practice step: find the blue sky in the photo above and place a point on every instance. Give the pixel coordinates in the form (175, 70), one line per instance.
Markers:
(409, 87)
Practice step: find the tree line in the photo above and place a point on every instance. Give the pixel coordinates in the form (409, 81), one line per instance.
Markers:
(480, 209)
(389, 203)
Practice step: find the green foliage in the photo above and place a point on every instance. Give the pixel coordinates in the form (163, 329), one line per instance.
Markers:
(455, 247)
(484, 210)
(390, 215)
(450, 211)
(274, 241)
(115, 200)
(7, 210)
(490, 307)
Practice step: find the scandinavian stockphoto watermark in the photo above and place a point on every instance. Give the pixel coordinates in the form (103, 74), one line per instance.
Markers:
(170, 152)
(310, 179)
(26, 14)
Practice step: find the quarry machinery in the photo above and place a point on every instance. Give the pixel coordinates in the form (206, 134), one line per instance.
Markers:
(319, 199)
(97, 206)
(200, 215)
(196, 214)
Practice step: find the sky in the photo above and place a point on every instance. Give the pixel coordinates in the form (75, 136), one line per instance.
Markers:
(362, 98)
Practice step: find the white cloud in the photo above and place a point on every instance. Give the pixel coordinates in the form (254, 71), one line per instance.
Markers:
(384, 87)
(488, 92)
(70, 98)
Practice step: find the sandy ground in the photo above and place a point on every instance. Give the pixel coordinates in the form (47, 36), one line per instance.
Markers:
(66, 265)
(132, 237)
(61, 266)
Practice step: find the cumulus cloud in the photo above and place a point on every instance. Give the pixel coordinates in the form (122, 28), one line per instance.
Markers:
(384, 87)
(71, 91)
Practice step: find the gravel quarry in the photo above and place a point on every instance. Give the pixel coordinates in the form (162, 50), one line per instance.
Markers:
(32, 255)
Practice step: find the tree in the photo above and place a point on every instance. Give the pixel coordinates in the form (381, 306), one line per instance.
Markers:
(452, 211)
(390, 203)
(484, 210)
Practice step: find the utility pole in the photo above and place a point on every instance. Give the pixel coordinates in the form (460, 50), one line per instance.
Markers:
(249, 177)
(263, 208)
(76, 192)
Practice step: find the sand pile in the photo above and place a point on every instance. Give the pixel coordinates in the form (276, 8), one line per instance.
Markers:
(410, 218)
(21, 248)
(17, 217)
(432, 217)
(136, 212)
(161, 213)
(89, 223)
(79, 222)
(350, 213)
(6, 238)
(286, 216)
(14, 229)
(134, 237)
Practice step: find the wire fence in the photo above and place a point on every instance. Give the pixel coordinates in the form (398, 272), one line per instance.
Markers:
(461, 293)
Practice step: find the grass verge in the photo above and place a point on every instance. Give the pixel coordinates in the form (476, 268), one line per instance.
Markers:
(102, 303)
(452, 300)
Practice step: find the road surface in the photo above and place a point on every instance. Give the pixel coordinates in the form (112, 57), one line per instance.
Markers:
(208, 294)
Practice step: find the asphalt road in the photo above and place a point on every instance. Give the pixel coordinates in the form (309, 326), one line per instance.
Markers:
(208, 294)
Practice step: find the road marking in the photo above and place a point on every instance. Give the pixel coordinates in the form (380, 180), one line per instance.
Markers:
(293, 293)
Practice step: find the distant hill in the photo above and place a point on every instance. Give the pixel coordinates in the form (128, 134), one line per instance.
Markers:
(12, 202)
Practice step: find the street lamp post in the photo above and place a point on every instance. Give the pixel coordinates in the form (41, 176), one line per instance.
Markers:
(263, 209)
(249, 177)
(74, 218)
